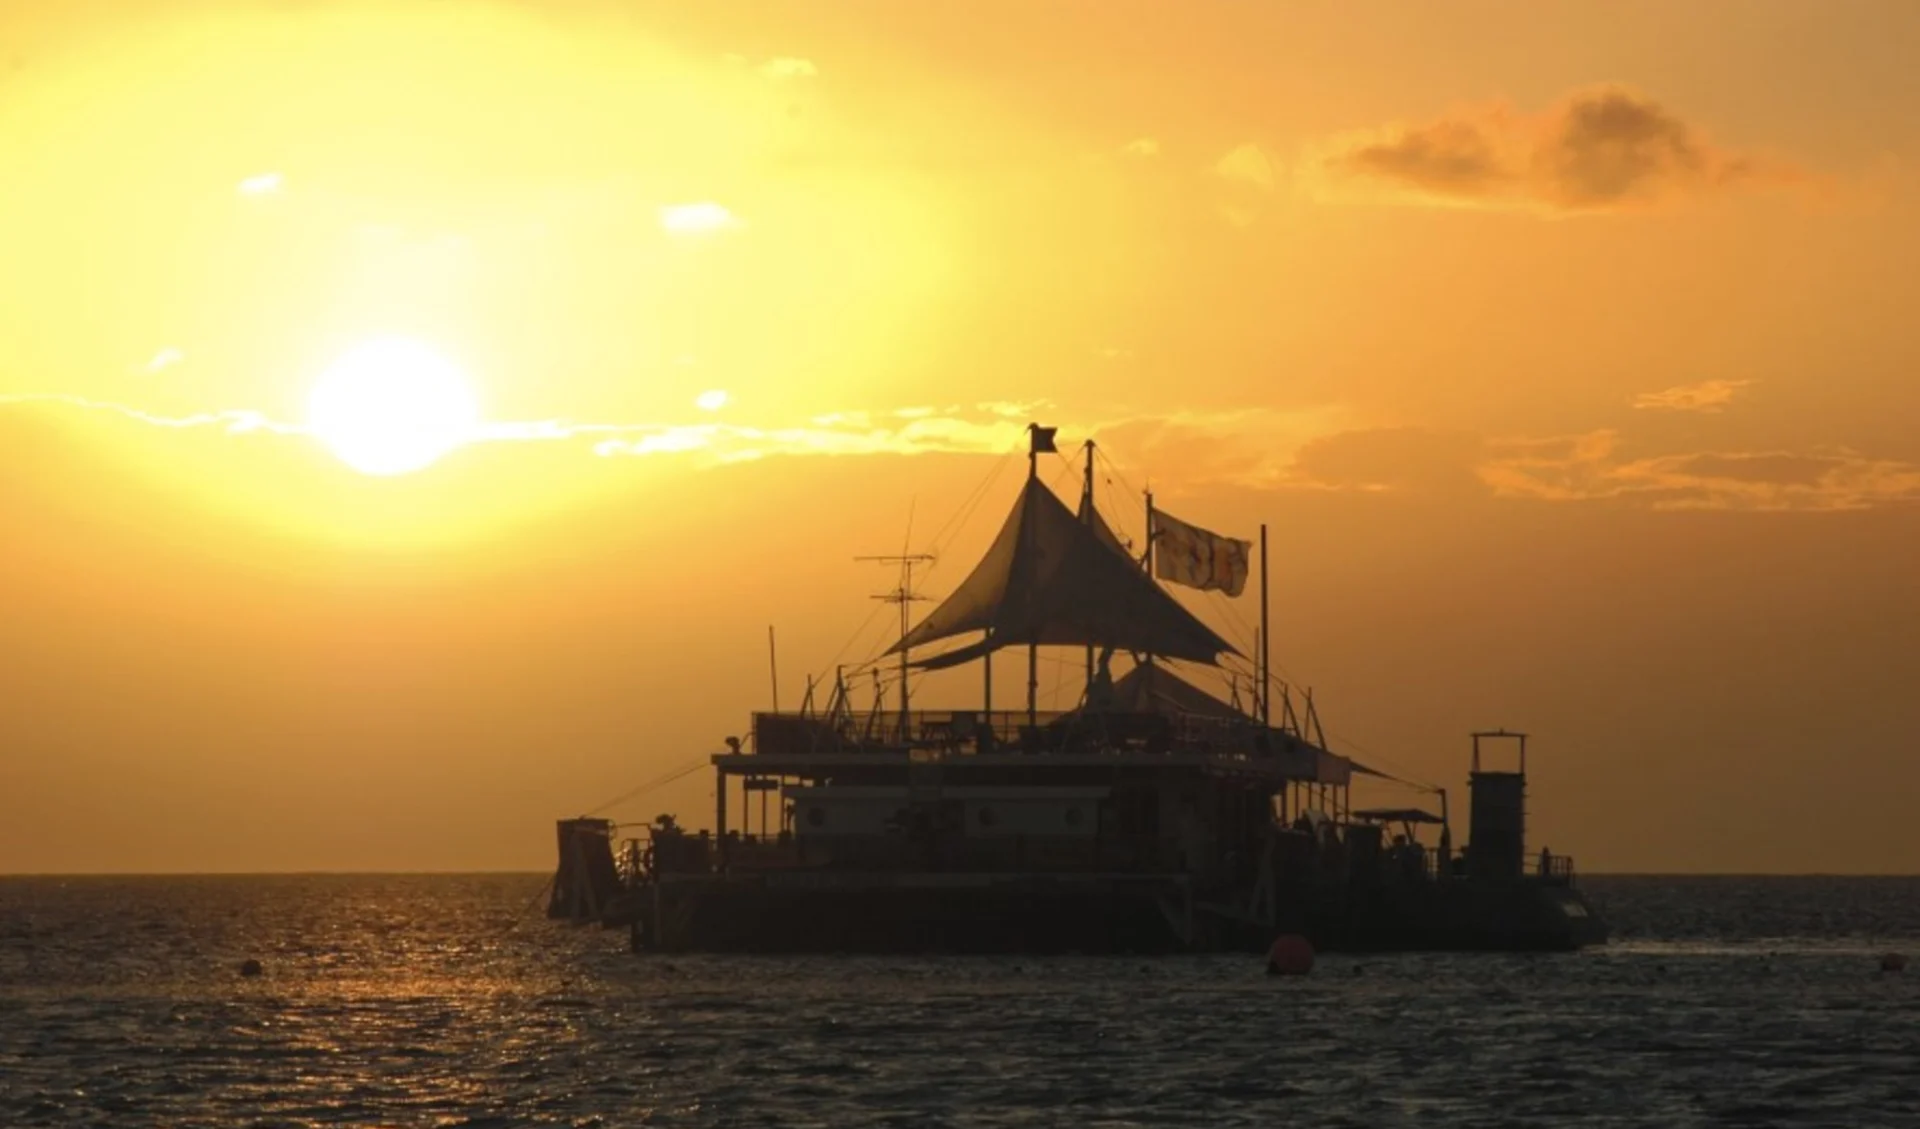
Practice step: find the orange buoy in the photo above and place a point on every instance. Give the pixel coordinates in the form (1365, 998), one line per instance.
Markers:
(1290, 955)
(1893, 962)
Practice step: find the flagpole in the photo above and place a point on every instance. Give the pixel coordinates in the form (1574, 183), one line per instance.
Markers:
(1033, 649)
(1146, 558)
(1266, 637)
(1086, 503)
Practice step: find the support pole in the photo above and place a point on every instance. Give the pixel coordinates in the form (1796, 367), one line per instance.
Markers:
(1034, 439)
(1033, 684)
(986, 663)
(1086, 506)
(1146, 558)
(773, 668)
(720, 817)
(1266, 638)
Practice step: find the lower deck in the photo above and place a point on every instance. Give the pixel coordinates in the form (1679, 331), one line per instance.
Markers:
(1055, 913)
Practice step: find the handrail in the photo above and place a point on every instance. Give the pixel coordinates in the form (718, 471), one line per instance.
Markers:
(964, 732)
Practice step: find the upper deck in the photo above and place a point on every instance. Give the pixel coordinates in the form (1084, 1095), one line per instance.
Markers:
(802, 744)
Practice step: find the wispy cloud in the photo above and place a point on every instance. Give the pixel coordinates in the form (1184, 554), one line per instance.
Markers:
(1141, 147)
(1591, 468)
(1248, 164)
(780, 68)
(1597, 466)
(237, 421)
(699, 218)
(1245, 179)
(1602, 148)
(1307, 448)
(788, 67)
(901, 432)
(1706, 396)
(1183, 447)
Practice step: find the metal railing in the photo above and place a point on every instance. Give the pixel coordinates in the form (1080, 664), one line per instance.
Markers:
(1555, 870)
(970, 732)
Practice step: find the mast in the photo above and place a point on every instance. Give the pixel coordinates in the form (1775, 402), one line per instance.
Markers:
(903, 595)
(1038, 439)
(1086, 506)
(1033, 649)
(1146, 558)
(1266, 636)
(773, 668)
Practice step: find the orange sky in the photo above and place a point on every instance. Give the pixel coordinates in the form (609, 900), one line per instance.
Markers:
(1565, 350)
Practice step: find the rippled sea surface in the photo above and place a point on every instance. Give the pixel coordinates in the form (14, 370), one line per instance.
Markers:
(448, 1000)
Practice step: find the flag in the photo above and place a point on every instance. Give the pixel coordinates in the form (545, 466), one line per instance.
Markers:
(1187, 554)
(1042, 438)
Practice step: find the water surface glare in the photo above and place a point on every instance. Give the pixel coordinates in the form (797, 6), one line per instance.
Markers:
(435, 1001)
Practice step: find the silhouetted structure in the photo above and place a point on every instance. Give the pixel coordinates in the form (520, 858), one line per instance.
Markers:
(1154, 816)
(587, 881)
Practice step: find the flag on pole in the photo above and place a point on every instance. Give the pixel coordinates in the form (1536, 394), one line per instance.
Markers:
(1042, 438)
(1189, 555)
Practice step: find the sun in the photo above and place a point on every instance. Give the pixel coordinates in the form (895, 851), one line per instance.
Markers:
(391, 406)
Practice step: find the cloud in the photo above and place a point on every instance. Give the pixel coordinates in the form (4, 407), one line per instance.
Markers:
(1591, 468)
(1248, 164)
(1706, 396)
(726, 443)
(165, 359)
(1391, 458)
(1446, 158)
(1181, 449)
(1255, 448)
(699, 218)
(786, 67)
(1248, 447)
(1246, 178)
(237, 421)
(1596, 467)
(1141, 147)
(1602, 148)
(261, 184)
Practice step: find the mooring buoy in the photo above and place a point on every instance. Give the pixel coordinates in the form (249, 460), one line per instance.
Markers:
(250, 967)
(1893, 962)
(1290, 955)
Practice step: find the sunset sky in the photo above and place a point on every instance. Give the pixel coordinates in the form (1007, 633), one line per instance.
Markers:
(1567, 350)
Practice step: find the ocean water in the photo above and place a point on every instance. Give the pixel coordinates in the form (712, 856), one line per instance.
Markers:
(449, 1001)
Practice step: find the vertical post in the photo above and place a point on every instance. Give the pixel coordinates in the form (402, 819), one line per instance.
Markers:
(986, 696)
(1033, 684)
(773, 668)
(1033, 650)
(1266, 637)
(1146, 558)
(720, 816)
(1086, 506)
(906, 594)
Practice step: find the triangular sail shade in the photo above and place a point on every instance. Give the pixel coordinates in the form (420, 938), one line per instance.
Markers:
(1101, 529)
(1152, 688)
(1048, 578)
